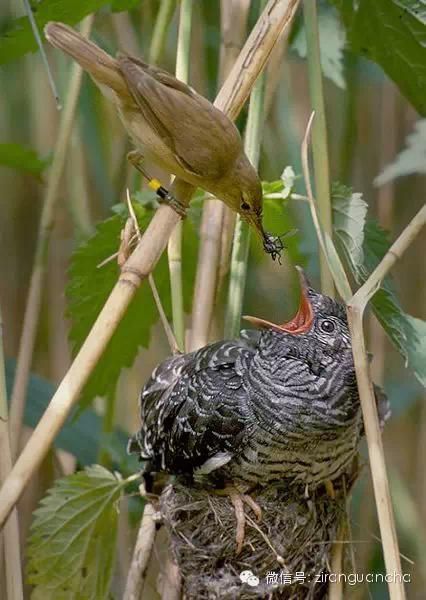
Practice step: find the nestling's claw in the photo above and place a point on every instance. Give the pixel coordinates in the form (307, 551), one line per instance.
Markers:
(238, 500)
(253, 505)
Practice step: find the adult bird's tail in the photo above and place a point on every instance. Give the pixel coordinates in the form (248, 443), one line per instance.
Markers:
(101, 66)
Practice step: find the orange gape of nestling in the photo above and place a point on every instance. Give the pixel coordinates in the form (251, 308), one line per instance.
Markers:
(174, 127)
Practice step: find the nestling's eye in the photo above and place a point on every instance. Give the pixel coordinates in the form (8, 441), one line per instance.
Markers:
(327, 326)
(245, 205)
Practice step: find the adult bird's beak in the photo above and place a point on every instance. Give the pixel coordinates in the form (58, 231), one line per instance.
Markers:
(300, 323)
(271, 244)
(255, 221)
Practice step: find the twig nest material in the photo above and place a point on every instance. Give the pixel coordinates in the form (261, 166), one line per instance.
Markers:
(287, 553)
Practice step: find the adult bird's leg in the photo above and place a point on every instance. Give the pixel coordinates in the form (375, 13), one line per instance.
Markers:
(238, 500)
(135, 158)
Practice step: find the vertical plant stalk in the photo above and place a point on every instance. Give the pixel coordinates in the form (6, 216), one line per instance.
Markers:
(205, 280)
(141, 555)
(218, 221)
(355, 308)
(174, 247)
(319, 134)
(32, 308)
(165, 14)
(36, 34)
(277, 15)
(241, 245)
(9, 538)
(385, 201)
(355, 305)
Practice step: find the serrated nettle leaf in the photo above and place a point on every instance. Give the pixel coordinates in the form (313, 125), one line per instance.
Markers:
(90, 286)
(19, 157)
(350, 212)
(332, 43)
(392, 33)
(406, 332)
(71, 548)
(410, 160)
(18, 39)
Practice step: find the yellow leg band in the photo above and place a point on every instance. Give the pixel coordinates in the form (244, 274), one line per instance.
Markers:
(154, 184)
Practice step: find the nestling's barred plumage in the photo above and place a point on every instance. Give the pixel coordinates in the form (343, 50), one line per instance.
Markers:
(265, 408)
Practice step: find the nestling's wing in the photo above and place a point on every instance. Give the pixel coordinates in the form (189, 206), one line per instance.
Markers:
(193, 410)
(204, 141)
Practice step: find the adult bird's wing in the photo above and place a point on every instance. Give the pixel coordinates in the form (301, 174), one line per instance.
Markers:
(204, 141)
(194, 411)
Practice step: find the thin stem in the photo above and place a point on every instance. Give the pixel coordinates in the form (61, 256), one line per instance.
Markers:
(326, 243)
(370, 287)
(174, 248)
(218, 221)
(277, 15)
(335, 587)
(141, 555)
(233, 26)
(9, 538)
(165, 14)
(32, 309)
(319, 134)
(355, 310)
(36, 34)
(376, 453)
(241, 245)
(205, 281)
(167, 329)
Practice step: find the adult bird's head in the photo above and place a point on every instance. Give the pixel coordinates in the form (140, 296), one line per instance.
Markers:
(241, 190)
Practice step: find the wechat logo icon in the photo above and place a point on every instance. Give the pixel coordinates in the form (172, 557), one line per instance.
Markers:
(249, 578)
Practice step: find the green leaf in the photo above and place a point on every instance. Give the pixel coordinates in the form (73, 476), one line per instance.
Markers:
(281, 188)
(332, 43)
(90, 286)
(18, 38)
(392, 33)
(24, 159)
(72, 544)
(81, 436)
(407, 334)
(411, 160)
(121, 5)
(350, 214)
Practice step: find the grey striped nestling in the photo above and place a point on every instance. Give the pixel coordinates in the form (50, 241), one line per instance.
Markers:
(276, 406)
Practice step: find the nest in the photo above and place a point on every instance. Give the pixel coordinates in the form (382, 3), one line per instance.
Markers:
(294, 537)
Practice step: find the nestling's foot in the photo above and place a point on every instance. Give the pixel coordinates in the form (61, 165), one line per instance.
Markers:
(238, 500)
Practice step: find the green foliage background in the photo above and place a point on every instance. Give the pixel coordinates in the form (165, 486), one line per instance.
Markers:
(373, 55)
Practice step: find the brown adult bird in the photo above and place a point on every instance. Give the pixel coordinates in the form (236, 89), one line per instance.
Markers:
(173, 126)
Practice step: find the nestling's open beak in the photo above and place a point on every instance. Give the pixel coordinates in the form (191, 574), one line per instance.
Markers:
(300, 323)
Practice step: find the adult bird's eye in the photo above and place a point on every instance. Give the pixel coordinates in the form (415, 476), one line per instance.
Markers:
(245, 206)
(327, 326)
